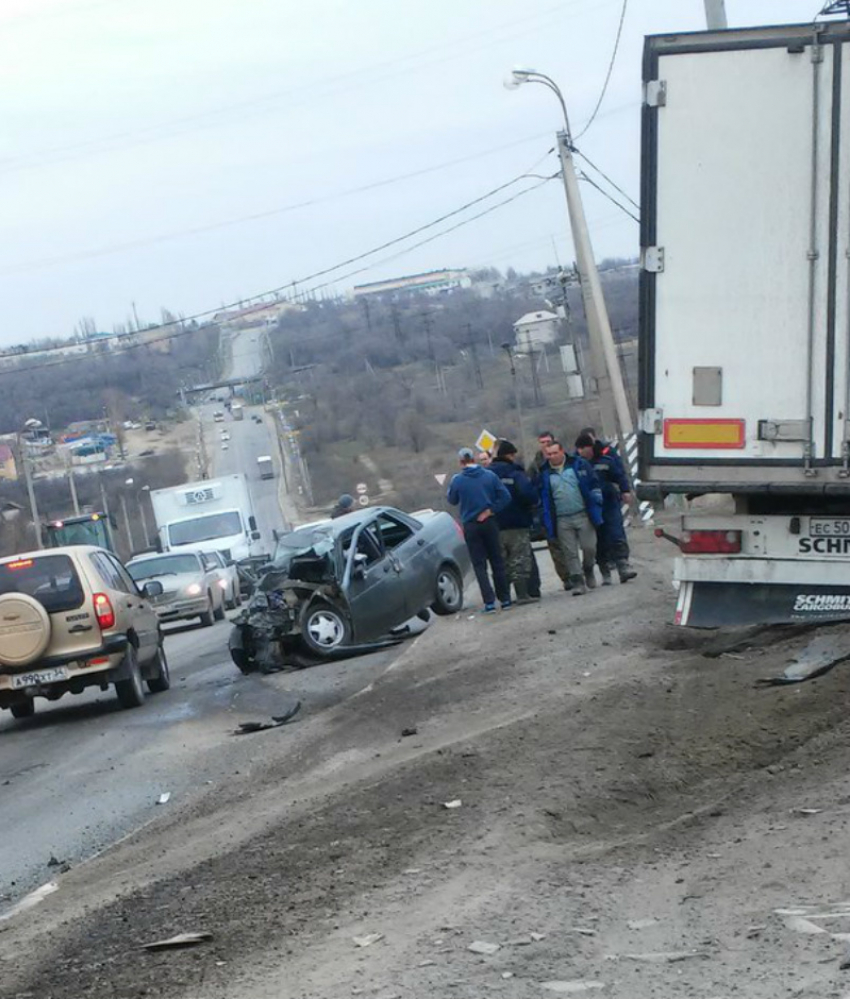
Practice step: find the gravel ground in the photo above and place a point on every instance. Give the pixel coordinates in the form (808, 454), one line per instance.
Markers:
(629, 826)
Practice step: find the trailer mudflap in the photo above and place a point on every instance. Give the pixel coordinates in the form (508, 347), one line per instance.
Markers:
(718, 605)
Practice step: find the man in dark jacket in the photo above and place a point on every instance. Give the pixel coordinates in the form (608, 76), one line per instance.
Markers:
(481, 495)
(572, 507)
(612, 545)
(515, 519)
(344, 505)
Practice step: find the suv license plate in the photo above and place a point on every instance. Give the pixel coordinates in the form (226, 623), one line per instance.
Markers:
(40, 676)
(829, 527)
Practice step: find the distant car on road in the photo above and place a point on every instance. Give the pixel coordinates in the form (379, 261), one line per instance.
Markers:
(74, 618)
(190, 585)
(340, 583)
(225, 446)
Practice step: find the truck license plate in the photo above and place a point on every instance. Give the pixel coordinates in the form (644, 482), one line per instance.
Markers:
(829, 527)
(40, 676)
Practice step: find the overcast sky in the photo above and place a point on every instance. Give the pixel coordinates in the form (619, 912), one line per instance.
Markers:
(139, 136)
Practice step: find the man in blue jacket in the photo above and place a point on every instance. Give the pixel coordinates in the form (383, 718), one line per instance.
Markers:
(515, 520)
(612, 545)
(571, 498)
(481, 495)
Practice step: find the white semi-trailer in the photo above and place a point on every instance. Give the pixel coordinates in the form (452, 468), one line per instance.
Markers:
(745, 316)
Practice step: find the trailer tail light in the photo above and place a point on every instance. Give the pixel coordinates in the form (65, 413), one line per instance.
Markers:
(103, 611)
(710, 542)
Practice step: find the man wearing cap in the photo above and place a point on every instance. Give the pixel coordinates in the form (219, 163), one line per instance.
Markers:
(480, 495)
(344, 505)
(515, 519)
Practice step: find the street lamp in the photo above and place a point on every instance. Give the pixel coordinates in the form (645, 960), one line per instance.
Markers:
(612, 393)
(509, 350)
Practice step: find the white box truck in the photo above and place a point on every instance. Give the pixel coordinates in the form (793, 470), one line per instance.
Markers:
(237, 412)
(745, 316)
(210, 515)
(265, 466)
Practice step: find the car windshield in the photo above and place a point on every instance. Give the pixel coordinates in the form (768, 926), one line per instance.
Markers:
(214, 525)
(51, 579)
(168, 565)
(300, 541)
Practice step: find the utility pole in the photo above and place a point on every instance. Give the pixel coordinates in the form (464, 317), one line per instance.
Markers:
(36, 520)
(127, 522)
(715, 15)
(535, 378)
(611, 388)
(72, 483)
(473, 349)
(508, 349)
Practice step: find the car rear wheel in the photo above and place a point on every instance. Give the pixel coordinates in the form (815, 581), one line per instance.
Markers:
(131, 693)
(208, 618)
(449, 598)
(325, 629)
(24, 710)
(162, 680)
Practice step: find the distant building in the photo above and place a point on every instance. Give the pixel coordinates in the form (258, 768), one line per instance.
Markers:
(535, 330)
(429, 283)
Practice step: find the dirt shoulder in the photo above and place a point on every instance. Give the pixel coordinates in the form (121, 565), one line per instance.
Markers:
(625, 799)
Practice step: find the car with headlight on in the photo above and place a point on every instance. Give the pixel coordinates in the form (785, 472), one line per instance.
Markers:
(191, 585)
(335, 585)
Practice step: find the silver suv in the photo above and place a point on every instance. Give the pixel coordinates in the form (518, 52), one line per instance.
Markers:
(72, 618)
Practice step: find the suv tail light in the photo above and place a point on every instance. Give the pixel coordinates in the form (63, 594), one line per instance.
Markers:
(103, 611)
(710, 542)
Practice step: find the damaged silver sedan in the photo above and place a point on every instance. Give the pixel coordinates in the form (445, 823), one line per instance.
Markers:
(342, 586)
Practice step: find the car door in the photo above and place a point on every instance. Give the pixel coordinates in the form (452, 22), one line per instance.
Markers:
(214, 575)
(412, 558)
(138, 608)
(376, 599)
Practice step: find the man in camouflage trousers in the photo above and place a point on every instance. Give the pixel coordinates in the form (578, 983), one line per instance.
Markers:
(515, 519)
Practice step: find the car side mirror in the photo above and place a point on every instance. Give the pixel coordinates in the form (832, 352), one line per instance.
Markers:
(153, 588)
(252, 523)
(255, 535)
(158, 545)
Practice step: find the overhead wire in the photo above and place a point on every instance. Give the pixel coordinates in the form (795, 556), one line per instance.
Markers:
(293, 286)
(256, 216)
(589, 180)
(605, 176)
(611, 62)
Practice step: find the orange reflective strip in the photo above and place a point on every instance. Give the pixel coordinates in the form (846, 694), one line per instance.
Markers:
(708, 434)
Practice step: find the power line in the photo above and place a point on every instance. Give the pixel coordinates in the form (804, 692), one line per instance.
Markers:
(604, 90)
(605, 176)
(605, 194)
(257, 216)
(298, 282)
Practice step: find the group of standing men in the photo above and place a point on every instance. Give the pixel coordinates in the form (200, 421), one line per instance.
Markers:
(578, 497)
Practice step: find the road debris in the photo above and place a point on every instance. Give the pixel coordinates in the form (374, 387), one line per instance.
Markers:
(181, 940)
(662, 956)
(574, 987)
(482, 947)
(845, 962)
(641, 924)
(800, 925)
(806, 811)
(368, 939)
(455, 803)
(753, 932)
(247, 728)
(537, 937)
(406, 732)
(821, 654)
(164, 798)
(584, 931)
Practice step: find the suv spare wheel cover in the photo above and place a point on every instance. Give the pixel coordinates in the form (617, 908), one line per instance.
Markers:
(24, 629)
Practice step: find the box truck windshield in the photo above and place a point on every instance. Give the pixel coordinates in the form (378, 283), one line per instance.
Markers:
(226, 524)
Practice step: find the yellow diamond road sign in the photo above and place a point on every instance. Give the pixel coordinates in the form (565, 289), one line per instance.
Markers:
(486, 441)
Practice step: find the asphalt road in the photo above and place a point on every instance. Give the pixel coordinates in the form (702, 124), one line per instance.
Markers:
(83, 773)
